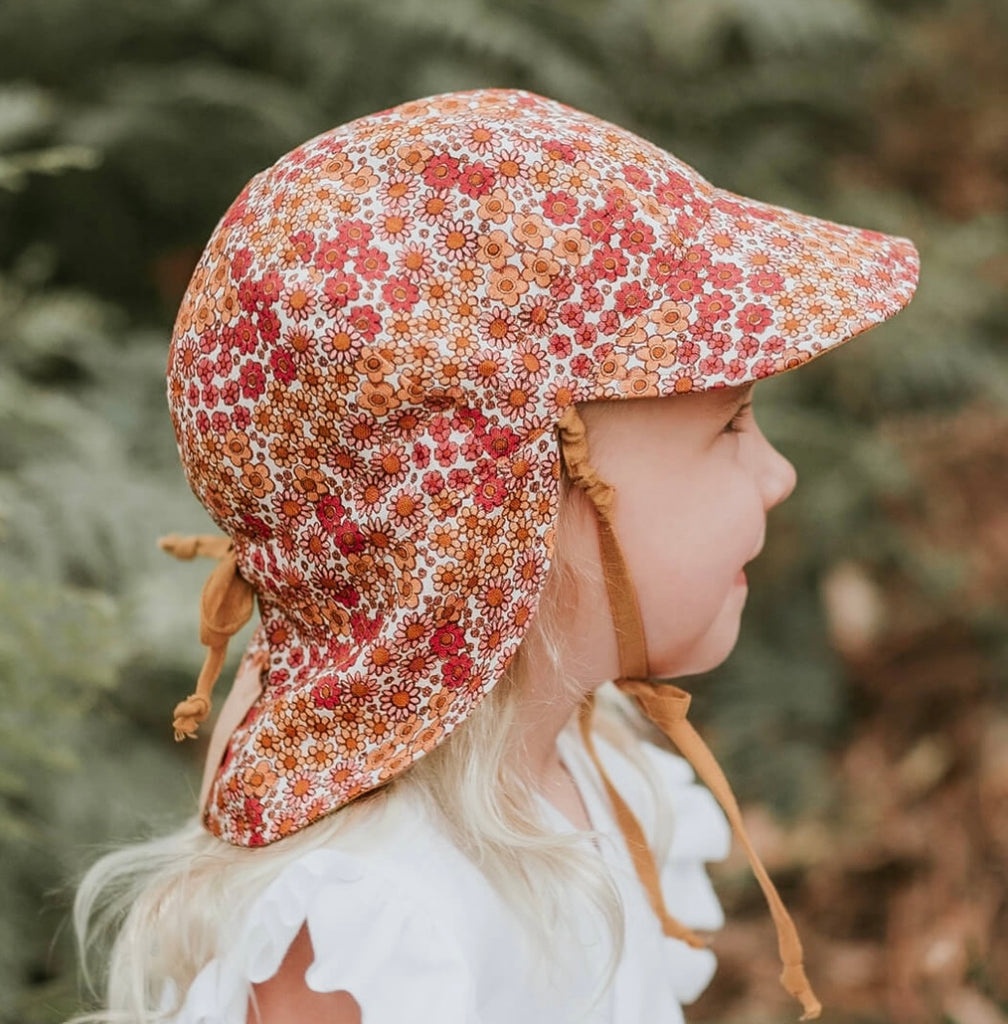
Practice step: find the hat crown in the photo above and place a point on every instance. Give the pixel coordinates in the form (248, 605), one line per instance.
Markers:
(397, 299)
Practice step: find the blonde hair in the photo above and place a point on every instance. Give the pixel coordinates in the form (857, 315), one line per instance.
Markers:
(162, 908)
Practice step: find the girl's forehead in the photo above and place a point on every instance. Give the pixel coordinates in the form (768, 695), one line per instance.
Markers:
(709, 404)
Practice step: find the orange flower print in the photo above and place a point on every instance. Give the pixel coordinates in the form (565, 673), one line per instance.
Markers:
(481, 138)
(256, 479)
(612, 366)
(413, 157)
(507, 285)
(531, 230)
(670, 317)
(259, 780)
(435, 208)
(495, 207)
(540, 267)
(310, 483)
(494, 249)
(570, 246)
(397, 192)
(640, 383)
(236, 447)
(393, 226)
(378, 398)
(660, 353)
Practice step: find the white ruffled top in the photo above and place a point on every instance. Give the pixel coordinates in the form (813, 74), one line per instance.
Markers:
(410, 926)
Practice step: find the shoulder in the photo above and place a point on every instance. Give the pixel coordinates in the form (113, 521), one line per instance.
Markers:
(338, 933)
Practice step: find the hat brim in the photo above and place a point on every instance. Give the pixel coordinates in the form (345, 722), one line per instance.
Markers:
(770, 289)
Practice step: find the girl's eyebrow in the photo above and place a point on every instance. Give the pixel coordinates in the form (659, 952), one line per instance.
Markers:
(733, 398)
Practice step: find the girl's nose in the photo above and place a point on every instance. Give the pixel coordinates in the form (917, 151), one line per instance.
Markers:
(778, 478)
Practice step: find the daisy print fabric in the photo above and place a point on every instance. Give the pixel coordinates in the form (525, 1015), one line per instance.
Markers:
(365, 376)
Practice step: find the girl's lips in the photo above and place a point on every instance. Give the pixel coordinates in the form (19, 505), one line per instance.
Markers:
(741, 577)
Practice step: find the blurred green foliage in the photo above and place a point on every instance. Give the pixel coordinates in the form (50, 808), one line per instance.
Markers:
(127, 128)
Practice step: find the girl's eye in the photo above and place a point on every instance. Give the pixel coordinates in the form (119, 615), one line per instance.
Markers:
(734, 424)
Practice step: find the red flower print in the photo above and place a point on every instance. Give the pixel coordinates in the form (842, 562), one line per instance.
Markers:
(348, 538)
(456, 671)
(303, 243)
(240, 262)
(631, 298)
(724, 275)
(338, 290)
(282, 364)
(557, 151)
(252, 380)
(447, 640)
(458, 479)
(560, 207)
(682, 285)
(400, 293)
(688, 351)
(433, 482)
(441, 171)
(661, 267)
(490, 492)
(354, 235)
(241, 335)
(596, 225)
(736, 369)
(477, 180)
(330, 511)
(231, 392)
(500, 442)
(371, 264)
(330, 254)
(714, 307)
(585, 335)
(326, 694)
(753, 317)
(765, 282)
(636, 237)
(609, 263)
(364, 322)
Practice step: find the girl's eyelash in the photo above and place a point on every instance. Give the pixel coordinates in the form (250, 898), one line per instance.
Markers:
(732, 426)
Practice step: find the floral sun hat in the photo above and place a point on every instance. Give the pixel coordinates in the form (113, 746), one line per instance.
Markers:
(373, 364)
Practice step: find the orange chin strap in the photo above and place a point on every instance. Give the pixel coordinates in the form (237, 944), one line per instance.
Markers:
(225, 606)
(666, 706)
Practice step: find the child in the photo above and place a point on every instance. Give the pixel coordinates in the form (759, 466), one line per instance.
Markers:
(400, 382)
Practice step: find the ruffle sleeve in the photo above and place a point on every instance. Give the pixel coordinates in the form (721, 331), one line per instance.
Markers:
(700, 834)
(371, 934)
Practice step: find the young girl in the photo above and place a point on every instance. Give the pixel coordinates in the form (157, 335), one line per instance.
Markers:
(467, 385)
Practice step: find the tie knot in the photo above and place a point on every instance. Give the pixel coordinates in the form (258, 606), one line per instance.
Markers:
(663, 703)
